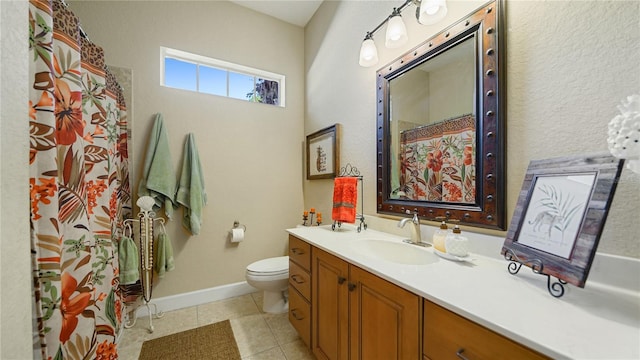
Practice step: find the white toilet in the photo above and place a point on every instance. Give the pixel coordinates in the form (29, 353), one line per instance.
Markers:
(272, 276)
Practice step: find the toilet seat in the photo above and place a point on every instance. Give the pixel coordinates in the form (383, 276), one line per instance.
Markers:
(269, 267)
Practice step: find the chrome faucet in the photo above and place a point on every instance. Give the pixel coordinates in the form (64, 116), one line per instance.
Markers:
(416, 238)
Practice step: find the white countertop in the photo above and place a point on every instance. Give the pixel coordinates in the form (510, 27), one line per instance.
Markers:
(597, 322)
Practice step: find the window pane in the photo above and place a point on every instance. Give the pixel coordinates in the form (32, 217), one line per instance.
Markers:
(197, 73)
(180, 74)
(240, 86)
(267, 91)
(213, 81)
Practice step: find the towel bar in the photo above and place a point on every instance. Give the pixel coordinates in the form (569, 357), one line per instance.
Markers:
(352, 171)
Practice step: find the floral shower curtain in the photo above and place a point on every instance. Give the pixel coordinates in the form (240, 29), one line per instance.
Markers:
(437, 161)
(79, 182)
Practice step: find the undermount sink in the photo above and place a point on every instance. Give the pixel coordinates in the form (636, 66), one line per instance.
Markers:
(395, 252)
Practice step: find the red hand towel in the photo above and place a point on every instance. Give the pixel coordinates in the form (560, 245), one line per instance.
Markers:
(345, 195)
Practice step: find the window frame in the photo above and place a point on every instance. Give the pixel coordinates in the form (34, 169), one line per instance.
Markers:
(257, 74)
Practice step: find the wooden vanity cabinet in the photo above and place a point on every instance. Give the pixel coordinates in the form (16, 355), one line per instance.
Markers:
(447, 335)
(344, 312)
(357, 315)
(300, 288)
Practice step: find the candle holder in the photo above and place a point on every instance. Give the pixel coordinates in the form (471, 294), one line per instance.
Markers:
(308, 215)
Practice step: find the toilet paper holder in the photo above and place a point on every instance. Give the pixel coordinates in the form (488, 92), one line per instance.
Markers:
(237, 224)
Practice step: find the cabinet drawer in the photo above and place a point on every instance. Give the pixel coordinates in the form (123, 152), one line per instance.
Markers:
(300, 252)
(300, 315)
(446, 333)
(300, 280)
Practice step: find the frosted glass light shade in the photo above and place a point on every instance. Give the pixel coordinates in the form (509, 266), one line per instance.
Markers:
(432, 11)
(368, 53)
(396, 32)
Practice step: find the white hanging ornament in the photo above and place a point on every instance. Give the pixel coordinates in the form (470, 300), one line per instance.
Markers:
(624, 133)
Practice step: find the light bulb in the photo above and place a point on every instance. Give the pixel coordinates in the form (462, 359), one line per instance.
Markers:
(432, 9)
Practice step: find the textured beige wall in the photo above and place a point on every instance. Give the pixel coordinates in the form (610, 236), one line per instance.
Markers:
(15, 261)
(569, 63)
(250, 153)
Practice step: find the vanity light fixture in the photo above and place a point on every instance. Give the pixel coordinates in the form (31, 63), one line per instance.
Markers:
(428, 12)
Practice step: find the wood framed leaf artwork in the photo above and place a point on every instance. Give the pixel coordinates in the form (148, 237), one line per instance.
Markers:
(560, 215)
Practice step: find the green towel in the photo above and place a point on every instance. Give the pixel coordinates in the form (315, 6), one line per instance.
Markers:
(128, 259)
(163, 256)
(191, 193)
(158, 177)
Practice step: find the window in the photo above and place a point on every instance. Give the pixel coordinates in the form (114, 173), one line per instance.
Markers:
(183, 70)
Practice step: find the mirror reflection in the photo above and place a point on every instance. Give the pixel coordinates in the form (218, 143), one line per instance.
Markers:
(433, 130)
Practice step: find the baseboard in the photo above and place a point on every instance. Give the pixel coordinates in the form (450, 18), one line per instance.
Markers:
(199, 297)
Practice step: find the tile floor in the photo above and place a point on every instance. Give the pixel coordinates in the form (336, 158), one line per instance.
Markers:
(259, 335)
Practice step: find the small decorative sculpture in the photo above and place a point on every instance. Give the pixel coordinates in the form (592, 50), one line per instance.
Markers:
(624, 133)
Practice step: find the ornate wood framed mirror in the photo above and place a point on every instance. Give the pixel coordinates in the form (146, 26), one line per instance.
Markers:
(441, 126)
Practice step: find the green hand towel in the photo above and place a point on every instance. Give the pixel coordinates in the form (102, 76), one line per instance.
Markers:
(158, 177)
(163, 256)
(128, 259)
(191, 193)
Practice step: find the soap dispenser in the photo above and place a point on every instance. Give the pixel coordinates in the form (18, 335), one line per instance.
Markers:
(439, 237)
(456, 244)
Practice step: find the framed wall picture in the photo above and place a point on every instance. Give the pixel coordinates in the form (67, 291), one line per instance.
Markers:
(560, 215)
(323, 148)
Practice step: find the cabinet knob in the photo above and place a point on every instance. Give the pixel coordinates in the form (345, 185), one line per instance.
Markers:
(341, 280)
(459, 354)
(297, 278)
(297, 251)
(295, 315)
(352, 286)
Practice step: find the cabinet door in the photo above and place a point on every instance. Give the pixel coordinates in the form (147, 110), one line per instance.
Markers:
(330, 323)
(385, 319)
